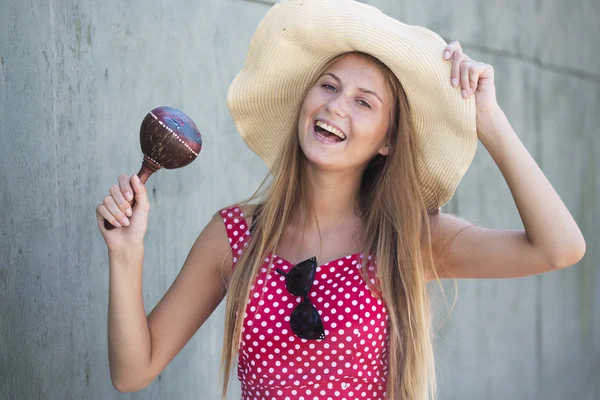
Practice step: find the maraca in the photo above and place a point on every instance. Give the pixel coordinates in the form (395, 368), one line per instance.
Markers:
(169, 139)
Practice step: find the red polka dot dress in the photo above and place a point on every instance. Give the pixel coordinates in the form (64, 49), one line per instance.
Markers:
(273, 363)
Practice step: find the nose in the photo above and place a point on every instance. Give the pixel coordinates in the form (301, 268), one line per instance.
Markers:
(338, 106)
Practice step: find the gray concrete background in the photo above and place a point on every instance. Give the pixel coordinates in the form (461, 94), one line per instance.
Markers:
(76, 79)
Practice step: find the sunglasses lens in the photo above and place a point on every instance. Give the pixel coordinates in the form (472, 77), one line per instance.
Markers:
(300, 278)
(306, 322)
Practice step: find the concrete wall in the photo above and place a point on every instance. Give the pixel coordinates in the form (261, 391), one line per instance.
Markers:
(76, 79)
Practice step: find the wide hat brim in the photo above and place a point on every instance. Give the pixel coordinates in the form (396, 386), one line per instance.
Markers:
(297, 38)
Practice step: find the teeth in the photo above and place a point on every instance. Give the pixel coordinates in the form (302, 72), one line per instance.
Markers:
(331, 129)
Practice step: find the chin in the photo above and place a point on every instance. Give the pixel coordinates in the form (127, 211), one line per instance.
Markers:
(317, 159)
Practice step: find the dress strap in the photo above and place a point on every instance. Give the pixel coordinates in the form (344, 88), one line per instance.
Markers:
(237, 229)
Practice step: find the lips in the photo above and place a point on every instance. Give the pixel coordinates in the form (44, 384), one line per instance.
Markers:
(325, 137)
(328, 132)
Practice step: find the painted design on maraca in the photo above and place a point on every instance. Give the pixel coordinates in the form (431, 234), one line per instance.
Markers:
(166, 126)
(169, 139)
(178, 124)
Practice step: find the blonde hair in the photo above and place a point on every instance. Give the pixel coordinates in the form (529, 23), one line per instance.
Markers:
(396, 229)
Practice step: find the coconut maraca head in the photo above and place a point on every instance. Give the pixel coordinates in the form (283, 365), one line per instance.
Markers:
(169, 139)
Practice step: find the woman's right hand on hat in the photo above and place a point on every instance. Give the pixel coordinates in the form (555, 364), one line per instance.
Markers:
(130, 223)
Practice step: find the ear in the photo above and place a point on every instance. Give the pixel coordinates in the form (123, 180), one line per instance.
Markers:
(385, 150)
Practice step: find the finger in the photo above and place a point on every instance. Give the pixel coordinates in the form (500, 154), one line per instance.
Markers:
(113, 208)
(102, 214)
(127, 192)
(474, 73)
(124, 182)
(452, 48)
(455, 71)
(464, 79)
(141, 195)
(124, 206)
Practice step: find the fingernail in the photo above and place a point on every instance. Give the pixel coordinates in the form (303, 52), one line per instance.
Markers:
(446, 54)
(117, 224)
(136, 178)
(128, 195)
(125, 221)
(464, 94)
(128, 212)
(454, 82)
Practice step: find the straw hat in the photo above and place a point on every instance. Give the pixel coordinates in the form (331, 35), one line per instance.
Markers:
(297, 38)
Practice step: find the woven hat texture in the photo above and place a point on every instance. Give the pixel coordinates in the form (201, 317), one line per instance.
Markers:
(297, 38)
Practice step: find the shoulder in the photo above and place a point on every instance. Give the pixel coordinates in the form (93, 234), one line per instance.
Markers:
(214, 245)
(444, 229)
(238, 214)
(233, 226)
(248, 212)
(445, 223)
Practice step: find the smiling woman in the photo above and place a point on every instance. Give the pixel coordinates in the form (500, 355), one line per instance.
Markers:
(367, 127)
(343, 121)
(350, 189)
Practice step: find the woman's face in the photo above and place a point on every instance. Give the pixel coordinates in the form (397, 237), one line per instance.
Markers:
(345, 115)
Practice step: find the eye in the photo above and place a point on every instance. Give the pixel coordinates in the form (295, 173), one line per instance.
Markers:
(327, 86)
(364, 103)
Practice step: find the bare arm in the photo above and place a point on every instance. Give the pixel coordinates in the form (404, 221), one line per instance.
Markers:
(551, 239)
(141, 347)
(465, 250)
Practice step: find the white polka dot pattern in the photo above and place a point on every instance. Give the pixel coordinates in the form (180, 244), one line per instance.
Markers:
(273, 363)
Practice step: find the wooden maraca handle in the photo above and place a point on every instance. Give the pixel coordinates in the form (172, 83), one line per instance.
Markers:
(144, 174)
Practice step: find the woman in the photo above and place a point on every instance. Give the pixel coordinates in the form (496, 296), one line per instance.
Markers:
(367, 125)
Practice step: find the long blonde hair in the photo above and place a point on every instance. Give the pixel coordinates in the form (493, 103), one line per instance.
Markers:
(396, 229)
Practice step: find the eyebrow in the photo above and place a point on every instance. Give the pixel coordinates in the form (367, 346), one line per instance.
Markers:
(361, 89)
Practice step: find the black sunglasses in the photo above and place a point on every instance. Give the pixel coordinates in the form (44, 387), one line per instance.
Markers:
(305, 319)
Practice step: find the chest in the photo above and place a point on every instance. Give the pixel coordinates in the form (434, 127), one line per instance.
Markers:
(296, 246)
(355, 323)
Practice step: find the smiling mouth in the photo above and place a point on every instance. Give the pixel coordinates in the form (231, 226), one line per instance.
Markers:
(329, 132)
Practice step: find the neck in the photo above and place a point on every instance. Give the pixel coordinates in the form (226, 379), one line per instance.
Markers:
(333, 198)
